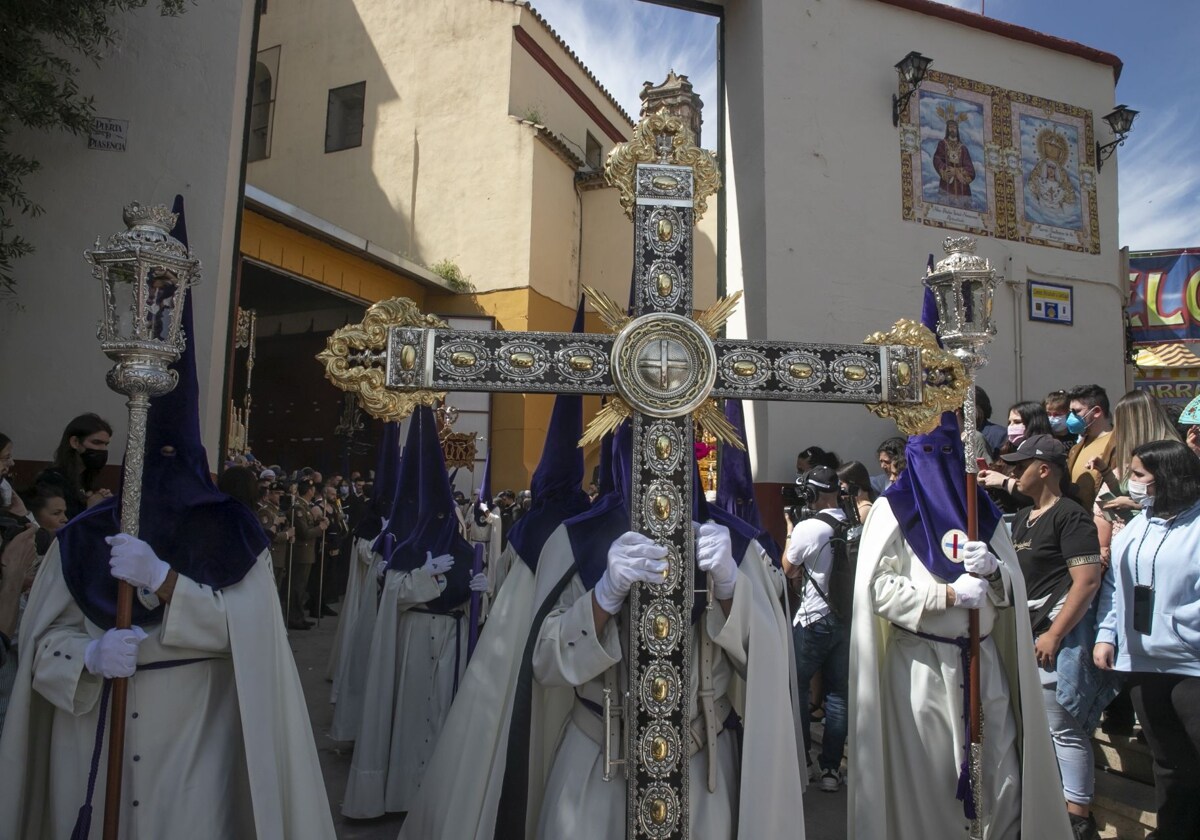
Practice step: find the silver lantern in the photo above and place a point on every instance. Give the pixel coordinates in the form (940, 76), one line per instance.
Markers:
(964, 286)
(145, 274)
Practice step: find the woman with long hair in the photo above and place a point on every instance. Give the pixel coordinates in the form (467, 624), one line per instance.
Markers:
(1138, 418)
(82, 453)
(1149, 624)
(857, 482)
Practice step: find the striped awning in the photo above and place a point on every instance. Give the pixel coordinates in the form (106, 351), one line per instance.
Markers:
(1172, 355)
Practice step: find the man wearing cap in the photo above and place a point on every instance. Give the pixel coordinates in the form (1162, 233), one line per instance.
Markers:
(918, 578)
(276, 525)
(822, 636)
(1059, 555)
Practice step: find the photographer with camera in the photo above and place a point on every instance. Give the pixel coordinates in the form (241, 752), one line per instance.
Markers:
(821, 625)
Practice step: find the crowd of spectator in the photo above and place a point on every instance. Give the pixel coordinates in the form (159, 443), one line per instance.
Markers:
(1103, 505)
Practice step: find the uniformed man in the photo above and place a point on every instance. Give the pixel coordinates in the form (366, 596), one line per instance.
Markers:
(304, 553)
(277, 527)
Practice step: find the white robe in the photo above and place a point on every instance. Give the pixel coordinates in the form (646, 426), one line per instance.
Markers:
(907, 731)
(407, 695)
(361, 563)
(564, 783)
(218, 748)
(477, 726)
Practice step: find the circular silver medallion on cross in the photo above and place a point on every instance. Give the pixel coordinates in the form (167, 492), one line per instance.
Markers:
(664, 365)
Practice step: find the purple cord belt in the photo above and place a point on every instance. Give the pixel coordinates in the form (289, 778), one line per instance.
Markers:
(964, 793)
(83, 822)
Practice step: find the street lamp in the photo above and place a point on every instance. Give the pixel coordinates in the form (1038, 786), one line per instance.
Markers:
(912, 72)
(1120, 121)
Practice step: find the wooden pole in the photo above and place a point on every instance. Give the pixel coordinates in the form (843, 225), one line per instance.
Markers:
(131, 505)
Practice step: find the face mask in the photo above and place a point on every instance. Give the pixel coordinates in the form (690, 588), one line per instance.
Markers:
(1016, 431)
(1058, 424)
(94, 459)
(1076, 425)
(1138, 493)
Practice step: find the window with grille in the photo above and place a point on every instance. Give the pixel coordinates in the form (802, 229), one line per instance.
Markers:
(262, 104)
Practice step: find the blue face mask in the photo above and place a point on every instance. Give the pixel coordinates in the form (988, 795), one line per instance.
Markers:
(1076, 424)
(1058, 424)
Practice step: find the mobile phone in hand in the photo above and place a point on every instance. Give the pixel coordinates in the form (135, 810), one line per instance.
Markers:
(982, 464)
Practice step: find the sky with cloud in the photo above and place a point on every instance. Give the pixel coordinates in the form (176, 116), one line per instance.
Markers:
(628, 42)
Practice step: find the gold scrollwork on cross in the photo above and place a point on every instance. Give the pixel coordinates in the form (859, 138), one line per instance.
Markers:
(355, 357)
(943, 378)
(621, 168)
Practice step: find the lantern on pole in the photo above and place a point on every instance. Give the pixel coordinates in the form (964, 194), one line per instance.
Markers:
(964, 286)
(145, 274)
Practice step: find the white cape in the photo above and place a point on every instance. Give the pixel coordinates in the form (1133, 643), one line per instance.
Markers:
(887, 805)
(361, 563)
(351, 679)
(461, 802)
(218, 746)
(409, 687)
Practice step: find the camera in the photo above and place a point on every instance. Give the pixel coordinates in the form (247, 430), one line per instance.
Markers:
(799, 500)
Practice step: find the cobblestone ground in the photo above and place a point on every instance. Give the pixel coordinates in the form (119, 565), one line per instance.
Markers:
(825, 813)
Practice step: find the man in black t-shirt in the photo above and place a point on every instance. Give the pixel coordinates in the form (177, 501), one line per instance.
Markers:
(1059, 553)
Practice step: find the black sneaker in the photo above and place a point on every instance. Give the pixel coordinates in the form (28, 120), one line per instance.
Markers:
(1084, 828)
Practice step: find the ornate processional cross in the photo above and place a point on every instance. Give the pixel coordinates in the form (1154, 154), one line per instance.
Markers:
(661, 371)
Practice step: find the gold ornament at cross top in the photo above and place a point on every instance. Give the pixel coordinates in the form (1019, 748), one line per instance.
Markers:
(665, 139)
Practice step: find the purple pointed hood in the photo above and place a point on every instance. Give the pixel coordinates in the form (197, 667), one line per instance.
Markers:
(556, 485)
(592, 532)
(387, 475)
(423, 516)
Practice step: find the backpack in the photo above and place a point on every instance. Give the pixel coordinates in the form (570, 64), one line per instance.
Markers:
(844, 543)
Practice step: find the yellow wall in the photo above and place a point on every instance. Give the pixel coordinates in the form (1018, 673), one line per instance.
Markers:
(305, 256)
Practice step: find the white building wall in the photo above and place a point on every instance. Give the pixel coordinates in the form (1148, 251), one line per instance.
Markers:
(816, 227)
(181, 84)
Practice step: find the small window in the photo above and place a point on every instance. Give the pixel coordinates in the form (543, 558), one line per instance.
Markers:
(262, 105)
(594, 153)
(344, 117)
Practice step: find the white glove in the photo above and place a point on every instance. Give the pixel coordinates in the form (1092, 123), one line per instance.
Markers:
(437, 565)
(632, 558)
(135, 562)
(380, 568)
(714, 554)
(114, 654)
(979, 560)
(479, 583)
(969, 592)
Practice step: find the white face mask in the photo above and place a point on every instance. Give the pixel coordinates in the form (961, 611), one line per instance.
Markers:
(1138, 493)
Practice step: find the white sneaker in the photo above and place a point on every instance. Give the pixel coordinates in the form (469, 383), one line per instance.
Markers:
(831, 780)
